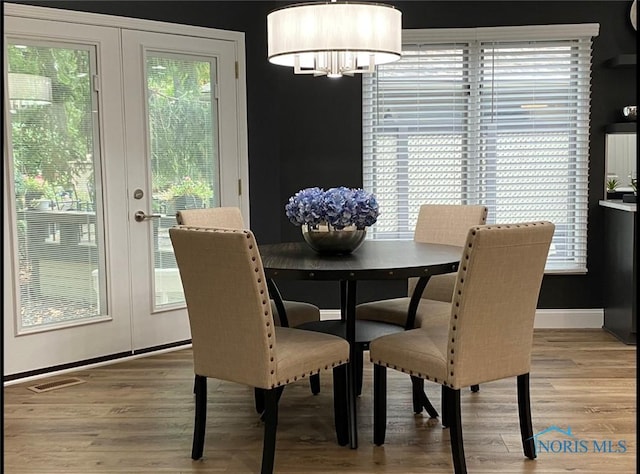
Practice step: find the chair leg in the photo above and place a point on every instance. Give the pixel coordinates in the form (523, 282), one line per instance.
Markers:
(446, 415)
(341, 404)
(343, 300)
(417, 386)
(278, 391)
(420, 398)
(379, 404)
(200, 389)
(258, 395)
(314, 383)
(359, 368)
(455, 429)
(524, 411)
(475, 388)
(271, 398)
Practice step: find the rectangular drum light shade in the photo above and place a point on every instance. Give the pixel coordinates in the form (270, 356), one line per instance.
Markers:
(334, 38)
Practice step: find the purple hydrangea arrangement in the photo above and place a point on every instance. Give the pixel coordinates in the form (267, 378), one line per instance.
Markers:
(338, 207)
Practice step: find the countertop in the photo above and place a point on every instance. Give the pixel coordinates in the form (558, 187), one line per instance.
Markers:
(618, 204)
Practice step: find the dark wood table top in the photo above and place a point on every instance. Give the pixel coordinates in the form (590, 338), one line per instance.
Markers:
(374, 260)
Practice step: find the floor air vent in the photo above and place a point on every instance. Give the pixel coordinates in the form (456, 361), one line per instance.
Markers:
(56, 384)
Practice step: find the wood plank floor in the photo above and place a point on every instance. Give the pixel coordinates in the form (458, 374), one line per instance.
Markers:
(137, 417)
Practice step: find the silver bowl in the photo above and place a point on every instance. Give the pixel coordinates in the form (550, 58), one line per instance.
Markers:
(329, 241)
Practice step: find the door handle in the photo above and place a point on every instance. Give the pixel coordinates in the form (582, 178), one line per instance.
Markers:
(140, 216)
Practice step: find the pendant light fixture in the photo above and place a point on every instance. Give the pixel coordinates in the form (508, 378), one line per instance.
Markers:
(334, 38)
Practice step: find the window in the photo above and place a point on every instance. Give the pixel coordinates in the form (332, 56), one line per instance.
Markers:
(493, 116)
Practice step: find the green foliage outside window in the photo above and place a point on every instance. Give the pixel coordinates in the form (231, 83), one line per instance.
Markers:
(180, 124)
(51, 139)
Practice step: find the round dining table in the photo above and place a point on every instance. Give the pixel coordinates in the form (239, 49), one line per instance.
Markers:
(374, 260)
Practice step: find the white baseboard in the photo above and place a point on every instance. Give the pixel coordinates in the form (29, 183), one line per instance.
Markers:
(329, 314)
(569, 318)
(545, 318)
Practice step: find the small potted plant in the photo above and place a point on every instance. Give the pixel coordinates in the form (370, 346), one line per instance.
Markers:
(38, 194)
(188, 194)
(33, 188)
(612, 184)
(632, 197)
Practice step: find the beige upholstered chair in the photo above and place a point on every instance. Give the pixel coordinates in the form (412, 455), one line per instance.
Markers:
(489, 332)
(296, 312)
(233, 332)
(436, 224)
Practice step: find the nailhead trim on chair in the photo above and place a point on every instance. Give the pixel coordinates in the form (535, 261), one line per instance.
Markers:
(456, 301)
(265, 303)
(311, 372)
(406, 371)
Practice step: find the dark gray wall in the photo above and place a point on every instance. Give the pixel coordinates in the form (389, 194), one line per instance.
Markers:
(306, 131)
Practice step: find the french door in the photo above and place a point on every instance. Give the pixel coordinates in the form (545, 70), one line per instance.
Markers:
(110, 130)
(179, 132)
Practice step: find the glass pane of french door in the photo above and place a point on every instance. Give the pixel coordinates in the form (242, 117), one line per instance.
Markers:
(57, 197)
(183, 141)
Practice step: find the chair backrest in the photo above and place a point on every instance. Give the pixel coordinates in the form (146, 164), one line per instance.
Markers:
(217, 217)
(445, 224)
(232, 328)
(494, 303)
(222, 217)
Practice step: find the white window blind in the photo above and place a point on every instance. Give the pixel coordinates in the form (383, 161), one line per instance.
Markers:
(464, 118)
